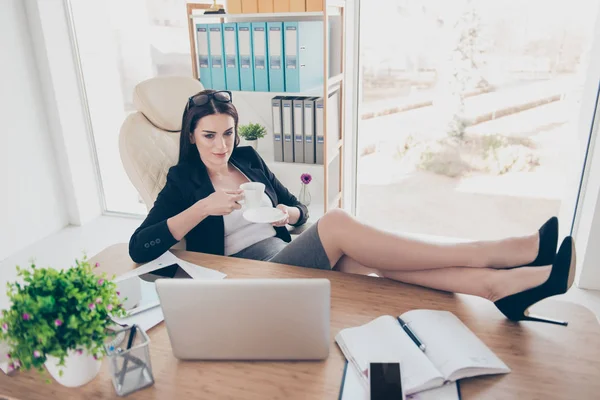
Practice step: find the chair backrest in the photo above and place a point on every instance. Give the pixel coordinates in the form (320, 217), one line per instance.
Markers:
(149, 137)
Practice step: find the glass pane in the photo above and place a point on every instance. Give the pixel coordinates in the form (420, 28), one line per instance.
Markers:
(469, 112)
(122, 43)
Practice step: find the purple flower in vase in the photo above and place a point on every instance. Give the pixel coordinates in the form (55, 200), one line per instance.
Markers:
(306, 178)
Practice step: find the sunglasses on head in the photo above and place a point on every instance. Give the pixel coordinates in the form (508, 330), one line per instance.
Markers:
(223, 96)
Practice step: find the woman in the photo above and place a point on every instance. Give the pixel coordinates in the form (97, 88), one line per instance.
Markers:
(200, 202)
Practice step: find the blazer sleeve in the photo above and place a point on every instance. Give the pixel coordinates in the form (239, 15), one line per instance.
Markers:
(283, 194)
(153, 237)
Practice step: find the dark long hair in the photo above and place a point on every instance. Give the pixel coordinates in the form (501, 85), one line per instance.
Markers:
(188, 151)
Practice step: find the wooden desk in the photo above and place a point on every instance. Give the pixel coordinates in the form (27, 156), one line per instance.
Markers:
(547, 361)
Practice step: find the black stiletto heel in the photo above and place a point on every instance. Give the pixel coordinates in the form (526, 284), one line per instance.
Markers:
(516, 307)
(548, 242)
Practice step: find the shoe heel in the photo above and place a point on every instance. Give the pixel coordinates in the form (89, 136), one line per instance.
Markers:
(544, 319)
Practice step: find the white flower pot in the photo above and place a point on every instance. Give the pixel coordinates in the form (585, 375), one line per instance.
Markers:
(79, 369)
(253, 144)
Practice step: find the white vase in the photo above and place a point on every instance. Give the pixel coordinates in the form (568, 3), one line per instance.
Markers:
(253, 144)
(79, 369)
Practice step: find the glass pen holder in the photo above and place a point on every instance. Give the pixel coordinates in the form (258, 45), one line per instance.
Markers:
(128, 354)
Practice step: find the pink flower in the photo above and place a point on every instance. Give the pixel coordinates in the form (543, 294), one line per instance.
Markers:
(100, 282)
(96, 265)
(11, 366)
(91, 306)
(5, 327)
(17, 364)
(58, 322)
(36, 354)
(8, 355)
(79, 351)
(95, 357)
(109, 307)
(118, 293)
(306, 178)
(26, 317)
(99, 300)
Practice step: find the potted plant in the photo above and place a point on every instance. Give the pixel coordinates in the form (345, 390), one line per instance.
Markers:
(59, 319)
(251, 133)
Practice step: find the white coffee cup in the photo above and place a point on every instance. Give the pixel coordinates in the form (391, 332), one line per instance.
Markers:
(253, 192)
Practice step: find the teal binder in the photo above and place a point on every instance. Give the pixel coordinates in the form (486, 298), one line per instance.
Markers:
(232, 60)
(275, 50)
(244, 32)
(217, 67)
(260, 56)
(303, 43)
(203, 55)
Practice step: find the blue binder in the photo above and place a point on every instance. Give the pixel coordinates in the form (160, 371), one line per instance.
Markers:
(202, 50)
(232, 60)
(275, 46)
(260, 56)
(244, 31)
(217, 67)
(303, 55)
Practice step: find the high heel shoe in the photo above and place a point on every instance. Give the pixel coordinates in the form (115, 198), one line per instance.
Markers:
(515, 307)
(547, 247)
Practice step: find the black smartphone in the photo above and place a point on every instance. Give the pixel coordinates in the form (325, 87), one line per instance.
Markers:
(385, 381)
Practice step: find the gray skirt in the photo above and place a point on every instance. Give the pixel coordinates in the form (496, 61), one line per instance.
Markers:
(306, 250)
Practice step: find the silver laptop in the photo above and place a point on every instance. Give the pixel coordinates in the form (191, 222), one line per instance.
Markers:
(247, 319)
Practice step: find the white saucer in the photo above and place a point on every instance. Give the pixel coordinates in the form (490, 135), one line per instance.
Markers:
(264, 215)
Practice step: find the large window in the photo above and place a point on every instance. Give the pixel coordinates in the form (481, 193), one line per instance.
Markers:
(122, 43)
(469, 112)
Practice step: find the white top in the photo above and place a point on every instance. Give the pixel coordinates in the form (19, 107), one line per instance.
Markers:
(241, 233)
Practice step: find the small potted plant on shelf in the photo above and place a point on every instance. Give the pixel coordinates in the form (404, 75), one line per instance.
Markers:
(59, 319)
(251, 133)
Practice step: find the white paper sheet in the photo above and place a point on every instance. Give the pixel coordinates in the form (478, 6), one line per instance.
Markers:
(150, 318)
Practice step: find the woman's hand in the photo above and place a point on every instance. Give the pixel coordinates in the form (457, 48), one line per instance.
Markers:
(285, 219)
(222, 202)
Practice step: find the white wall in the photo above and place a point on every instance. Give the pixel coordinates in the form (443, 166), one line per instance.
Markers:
(31, 194)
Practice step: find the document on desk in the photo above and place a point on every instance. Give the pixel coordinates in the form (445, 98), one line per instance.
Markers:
(168, 258)
(145, 311)
(452, 351)
(353, 389)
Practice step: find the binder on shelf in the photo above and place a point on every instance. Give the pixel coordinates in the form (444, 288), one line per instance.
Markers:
(309, 130)
(287, 118)
(203, 55)
(217, 67)
(319, 131)
(298, 106)
(259, 56)
(277, 128)
(275, 46)
(244, 31)
(232, 60)
(303, 55)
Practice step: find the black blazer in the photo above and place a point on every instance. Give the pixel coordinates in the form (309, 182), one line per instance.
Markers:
(188, 183)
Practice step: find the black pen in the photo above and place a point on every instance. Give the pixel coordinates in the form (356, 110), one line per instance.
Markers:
(411, 334)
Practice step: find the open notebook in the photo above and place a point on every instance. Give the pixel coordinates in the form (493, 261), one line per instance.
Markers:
(453, 351)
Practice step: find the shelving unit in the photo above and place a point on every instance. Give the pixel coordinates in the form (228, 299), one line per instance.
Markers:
(331, 90)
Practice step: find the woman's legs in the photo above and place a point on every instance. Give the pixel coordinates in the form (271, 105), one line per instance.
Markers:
(341, 234)
(489, 283)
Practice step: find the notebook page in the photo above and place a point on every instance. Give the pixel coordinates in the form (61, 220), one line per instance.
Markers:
(383, 340)
(455, 351)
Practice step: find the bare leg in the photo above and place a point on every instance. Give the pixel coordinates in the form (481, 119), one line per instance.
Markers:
(341, 234)
(489, 283)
